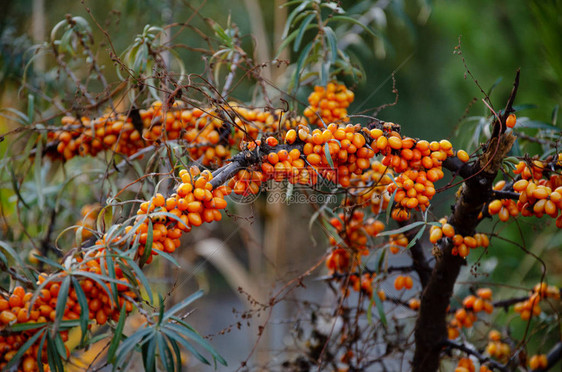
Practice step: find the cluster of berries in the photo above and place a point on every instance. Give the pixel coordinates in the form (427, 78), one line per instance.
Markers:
(194, 202)
(467, 315)
(531, 306)
(20, 308)
(370, 188)
(353, 233)
(328, 104)
(467, 365)
(496, 348)
(539, 188)
(461, 244)
(538, 361)
(209, 136)
(160, 222)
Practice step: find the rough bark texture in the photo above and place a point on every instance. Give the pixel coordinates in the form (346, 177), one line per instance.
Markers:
(431, 327)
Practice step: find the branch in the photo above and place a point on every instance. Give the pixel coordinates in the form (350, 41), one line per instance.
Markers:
(247, 158)
(420, 264)
(431, 326)
(553, 356)
(500, 194)
(481, 358)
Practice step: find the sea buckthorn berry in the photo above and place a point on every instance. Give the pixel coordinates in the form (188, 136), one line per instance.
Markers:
(510, 121)
(408, 282)
(538, 361)
(414, 304)
(494, 335)
(463, 156)
(448, 230)
(399, 282)
(484, 293)
(7, 317)
(435, 235)
(495, 206)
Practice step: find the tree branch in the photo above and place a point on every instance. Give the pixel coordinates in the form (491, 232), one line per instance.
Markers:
(431, 327)
(553, 356)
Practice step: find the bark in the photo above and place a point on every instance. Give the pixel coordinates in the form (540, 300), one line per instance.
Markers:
(431, 326)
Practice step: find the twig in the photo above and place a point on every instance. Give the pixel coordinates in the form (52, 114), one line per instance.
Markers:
(553, 356)
(481, 358)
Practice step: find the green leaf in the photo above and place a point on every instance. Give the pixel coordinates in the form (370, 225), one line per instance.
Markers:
(554, 116)
(302, 29)
(40, 352)
(25, 347)
(380, 308)
(165, 353)
(129, 344)
(404, 228)
(170, 333)
(354, 21)
(289, 39)
(117, 335)
(4, 259)
(300, 63)
(30, 108)
(85, 311)
(141, 277)
(177, 352)
(149, 355)
(20, 118)
(535, 124)
(496, 83)
(328, 155)
(168, 257)
(148, 246)
(111, 271)
(526, 106)
(380, 262)
(332, 42)
(369, 312)
(12, 253)
(55, 362)
(141, 57)
(105, 217)
(61, 350)
(297, 11)
(416, 237)
(185, 329)
(61, 302)
(50, 262)
(182, 304)
(390, 204)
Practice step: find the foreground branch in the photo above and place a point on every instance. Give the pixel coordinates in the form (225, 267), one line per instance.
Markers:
(431, 327)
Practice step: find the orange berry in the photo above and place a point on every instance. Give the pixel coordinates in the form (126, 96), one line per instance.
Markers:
(291, 136)
(414, 304)
(435, 235)
(313, 159)
(510, 121)
(399, 282)
(408, 282)
(395, 143)
(463, 156)
(7, 317)
(495, 206)
(484, 293)
(448, 230)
